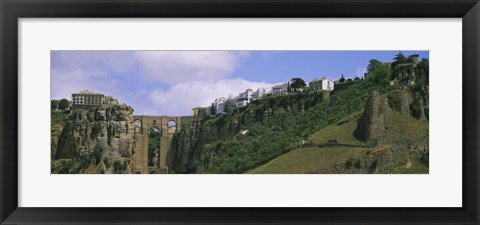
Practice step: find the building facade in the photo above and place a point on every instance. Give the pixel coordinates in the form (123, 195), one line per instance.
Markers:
(199, 112)
(261, 93)
(325, 84)
(86, 98)
(243, 98)
(219, 105)
(109, 100)
(280, 89)
(91, 99)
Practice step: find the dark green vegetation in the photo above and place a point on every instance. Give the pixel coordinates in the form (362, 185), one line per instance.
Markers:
(279, 126)
(53, 105)
(153, 147)
(58, 117)
(296, 84)
(229, 107)
(60, 105)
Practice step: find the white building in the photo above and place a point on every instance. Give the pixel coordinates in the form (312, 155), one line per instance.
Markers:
(219, 105)
(261, 93)
(89, 99)
(280, 89)
(241, 102)
(243, 98)
(324, 83)
(246, 94)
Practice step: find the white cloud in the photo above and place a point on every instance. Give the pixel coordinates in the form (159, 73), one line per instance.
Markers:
(182, 97)
(73, 71)
(152, 82)
(94, 63)
(172, 67)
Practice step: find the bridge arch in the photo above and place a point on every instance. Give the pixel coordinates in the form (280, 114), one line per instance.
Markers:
(164, 127)
(137, 122)
(172, 123)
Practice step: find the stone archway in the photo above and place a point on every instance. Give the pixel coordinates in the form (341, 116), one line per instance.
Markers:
(137, 123)
(172, 123)
(167, 126)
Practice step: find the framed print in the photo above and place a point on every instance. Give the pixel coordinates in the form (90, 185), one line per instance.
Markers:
(200, 112)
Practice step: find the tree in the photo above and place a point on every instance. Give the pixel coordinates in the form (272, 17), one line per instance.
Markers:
(213, 110)
(63, 104)
(342, 79)
(424, 67)
(380, 75)
(399, 59)
(423, 63)
(411, 58)
(373, 64)
(228, 108)
(297, 84)
(53, 105)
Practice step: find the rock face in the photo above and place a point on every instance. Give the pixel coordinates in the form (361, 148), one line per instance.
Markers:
(399, 100)
(376, 128)
(185, 150)
(99, 140)
(55, 132)
(373, 125)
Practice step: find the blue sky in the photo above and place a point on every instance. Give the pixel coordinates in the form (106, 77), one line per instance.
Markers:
(173, 82)
(278, 66)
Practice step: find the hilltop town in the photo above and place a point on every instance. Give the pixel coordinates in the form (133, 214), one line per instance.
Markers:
(374, 124)
(404, 70)
(224, 105)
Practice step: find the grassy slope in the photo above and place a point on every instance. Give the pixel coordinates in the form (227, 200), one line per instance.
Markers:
(341, 131)
(307, 160)
(409, 168)
(314, 160)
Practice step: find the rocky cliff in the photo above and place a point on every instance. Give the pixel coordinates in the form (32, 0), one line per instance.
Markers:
(97, 140)
(389, 125)
(373, 125)
(185, 149)
(55, 133)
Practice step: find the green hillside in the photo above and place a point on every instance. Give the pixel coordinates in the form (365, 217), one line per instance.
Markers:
(275, 126)
(376, 125)
(323, 160)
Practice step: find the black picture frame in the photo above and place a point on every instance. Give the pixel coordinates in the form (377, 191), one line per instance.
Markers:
(12, 10)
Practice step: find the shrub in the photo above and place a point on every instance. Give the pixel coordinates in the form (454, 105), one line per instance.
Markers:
(118, 167)
(97, 154)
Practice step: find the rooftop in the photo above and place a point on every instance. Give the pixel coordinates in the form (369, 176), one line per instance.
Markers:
(323, 78)
(86, 92)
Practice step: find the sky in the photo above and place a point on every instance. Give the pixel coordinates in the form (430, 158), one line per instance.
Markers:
(173, 82)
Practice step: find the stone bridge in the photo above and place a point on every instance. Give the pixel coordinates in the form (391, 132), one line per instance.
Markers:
(166, 126)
